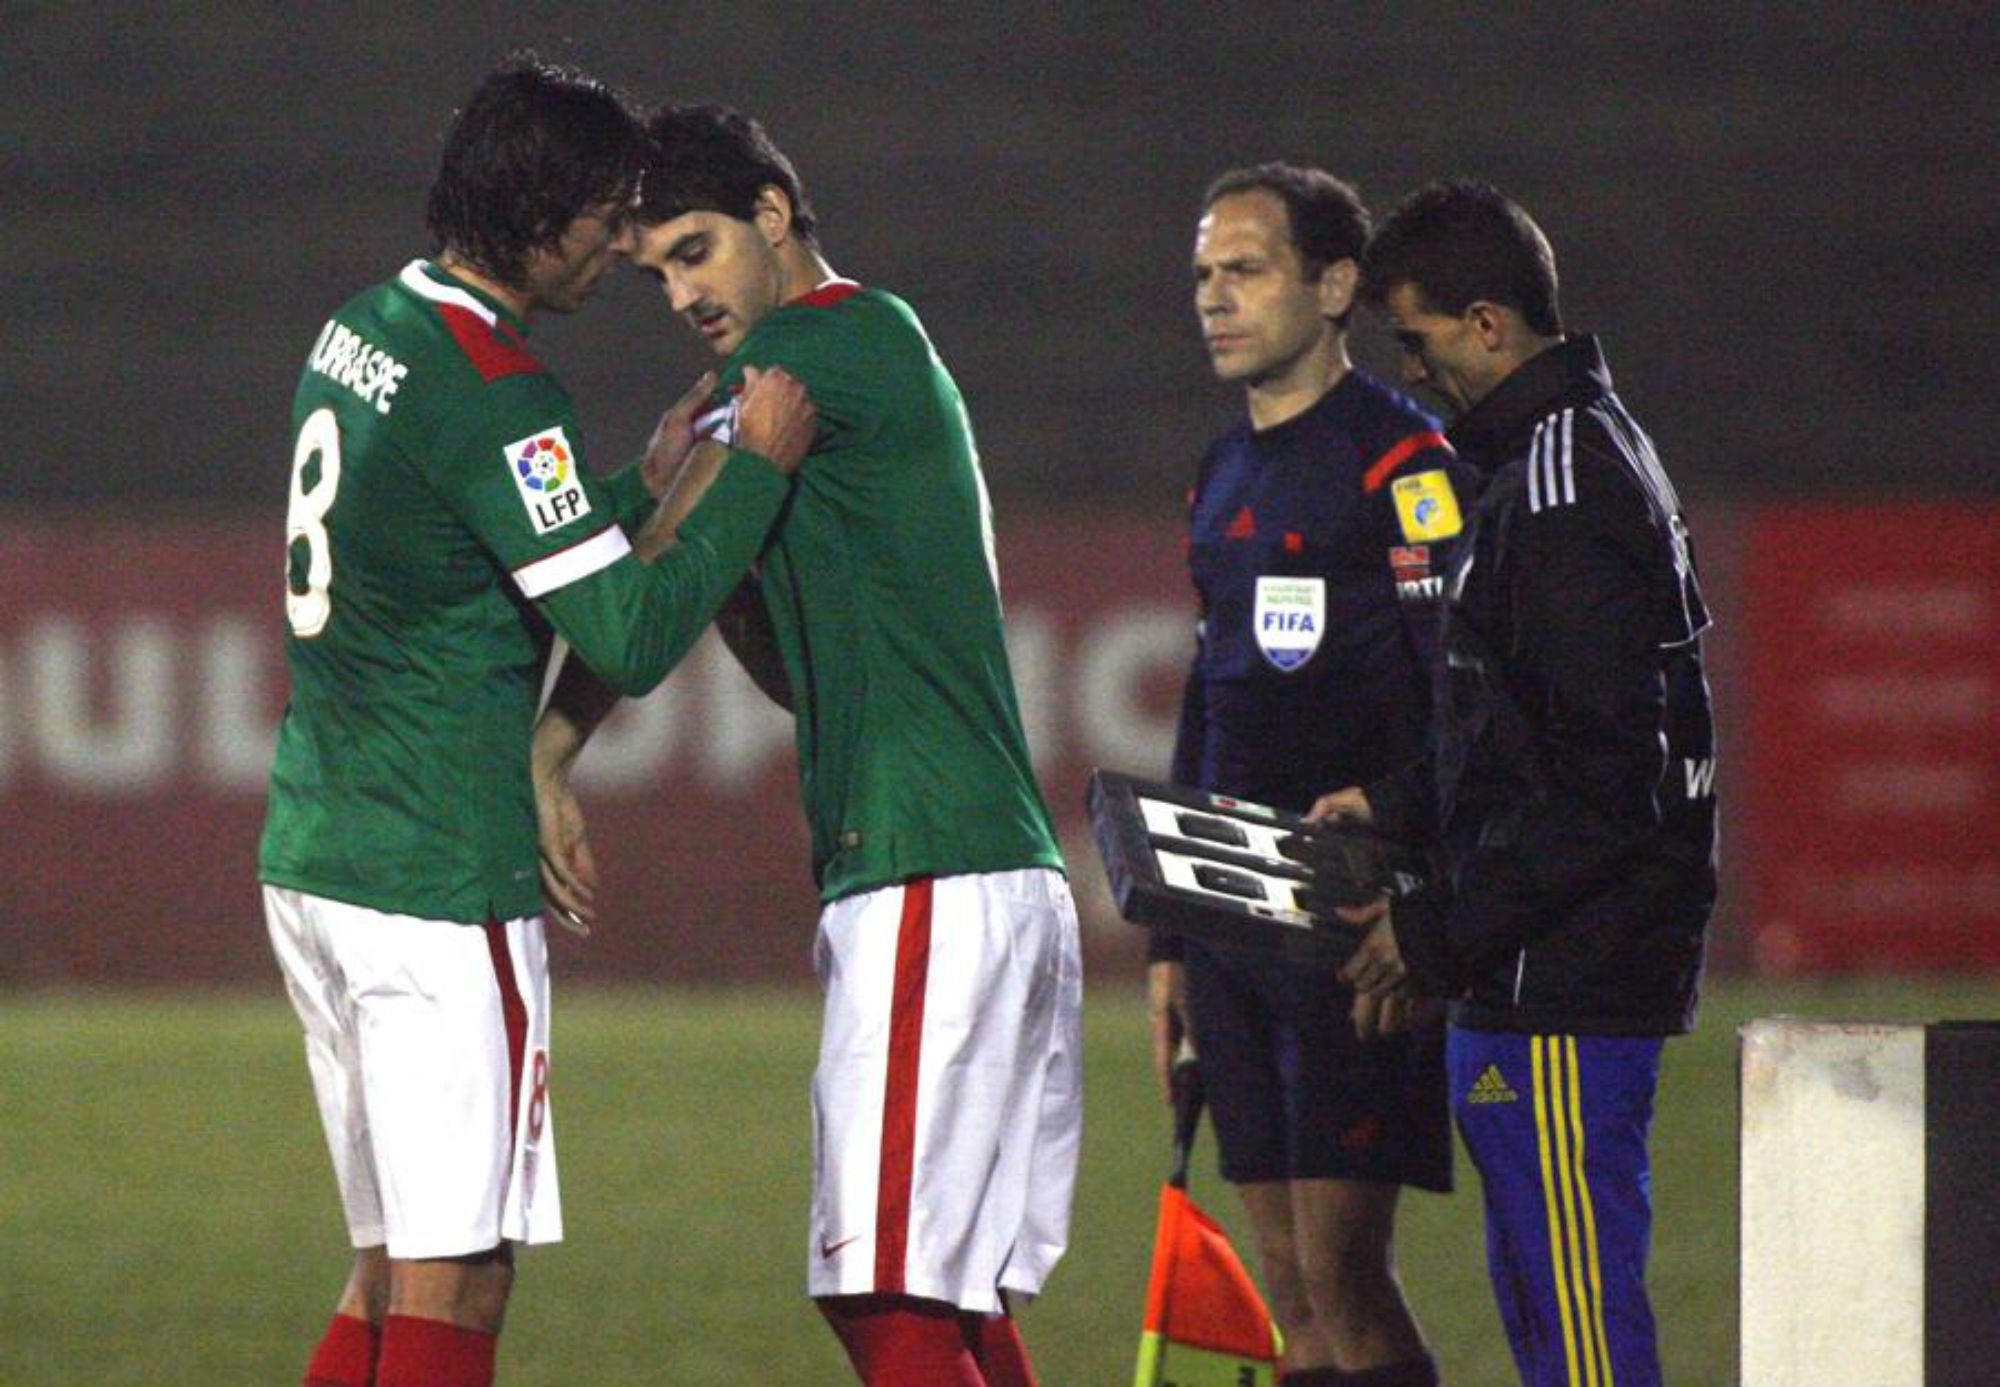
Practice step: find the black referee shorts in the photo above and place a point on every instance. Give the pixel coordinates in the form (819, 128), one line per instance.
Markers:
(1295, 1095)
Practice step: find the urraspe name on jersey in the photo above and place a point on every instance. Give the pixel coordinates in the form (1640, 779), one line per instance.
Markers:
(347, 359)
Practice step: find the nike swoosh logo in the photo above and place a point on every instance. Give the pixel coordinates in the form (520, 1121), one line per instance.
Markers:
(827, 1249)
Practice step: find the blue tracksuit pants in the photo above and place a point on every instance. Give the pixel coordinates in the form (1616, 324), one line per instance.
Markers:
(1557, 1127)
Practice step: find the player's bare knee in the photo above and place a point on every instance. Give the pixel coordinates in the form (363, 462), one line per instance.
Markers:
(488, 1283)
(366, 1295)
(469, 1291)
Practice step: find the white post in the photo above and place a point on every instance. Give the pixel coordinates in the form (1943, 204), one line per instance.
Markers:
(1832, 1204)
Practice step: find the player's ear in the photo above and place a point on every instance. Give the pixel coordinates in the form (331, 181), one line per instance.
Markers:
(772, 214)
(1492, 323)
(1336, 288)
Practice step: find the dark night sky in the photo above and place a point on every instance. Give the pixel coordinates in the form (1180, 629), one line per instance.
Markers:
(1781, 218)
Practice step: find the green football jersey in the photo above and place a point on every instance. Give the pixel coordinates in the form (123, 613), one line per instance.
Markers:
(441, 529)
(881, 587)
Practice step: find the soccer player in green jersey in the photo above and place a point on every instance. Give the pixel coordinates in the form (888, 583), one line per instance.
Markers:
(441, 530)
(947, 1099)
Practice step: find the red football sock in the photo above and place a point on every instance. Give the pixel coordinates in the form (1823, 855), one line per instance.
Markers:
(430, 1353)
(346, 1354)
(898, 1341)
(997, 1347)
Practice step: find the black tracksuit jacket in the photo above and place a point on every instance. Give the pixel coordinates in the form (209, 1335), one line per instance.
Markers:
(1569, 785)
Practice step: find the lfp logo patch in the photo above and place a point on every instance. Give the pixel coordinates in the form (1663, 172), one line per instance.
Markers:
(1290, 616)
(1426, 507)
(543, 466)
(543, 462)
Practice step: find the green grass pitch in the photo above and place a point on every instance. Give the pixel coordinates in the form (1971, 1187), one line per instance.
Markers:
(167, 1214)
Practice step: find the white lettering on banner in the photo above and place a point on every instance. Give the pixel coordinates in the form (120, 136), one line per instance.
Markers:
(745, 736)
(1113, 661)
(1031, 653)
(1893, 788)
(7, 723)
(1907, 613)
(1903, 700)
(131, 749)
(143, 703)
(743, 730)
(238, 739)
(631, 748)
(1875, 892)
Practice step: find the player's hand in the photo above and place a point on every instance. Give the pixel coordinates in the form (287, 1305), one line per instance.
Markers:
(569, 869)
(1377, 966)
(775, 417)
(1343, 806)
(1369, 914)
(674, 439)
(1374, 1014)
(1386, 1013)
(1166, 1010)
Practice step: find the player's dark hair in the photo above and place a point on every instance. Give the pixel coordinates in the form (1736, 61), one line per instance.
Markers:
(1329, 223)
(1459, 242)
(534, 148)
(716, 159)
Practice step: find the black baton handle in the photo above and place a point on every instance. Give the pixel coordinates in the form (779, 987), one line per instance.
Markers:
(1189, 1098)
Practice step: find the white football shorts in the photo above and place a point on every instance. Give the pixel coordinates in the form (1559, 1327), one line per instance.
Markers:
(948, 1102)
(428, 1043)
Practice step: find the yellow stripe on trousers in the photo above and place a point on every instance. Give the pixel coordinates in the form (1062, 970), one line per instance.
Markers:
(1573, 1254)
(1589, 1214)
(1562, 1103)
(1543, 1085)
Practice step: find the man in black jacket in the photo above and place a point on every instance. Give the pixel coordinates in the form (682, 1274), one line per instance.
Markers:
(1569, 786)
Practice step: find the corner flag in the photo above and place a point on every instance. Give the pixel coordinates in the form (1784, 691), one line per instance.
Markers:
(1206, 1326)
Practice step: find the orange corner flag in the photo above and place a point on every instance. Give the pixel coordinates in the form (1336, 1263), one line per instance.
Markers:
(1206, 1326)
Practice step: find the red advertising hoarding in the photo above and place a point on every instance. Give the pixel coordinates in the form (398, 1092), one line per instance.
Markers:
(1872, 658)
(142, 676)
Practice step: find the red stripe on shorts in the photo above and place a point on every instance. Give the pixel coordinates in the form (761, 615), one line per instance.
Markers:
(515, 1013)
(899, 1099)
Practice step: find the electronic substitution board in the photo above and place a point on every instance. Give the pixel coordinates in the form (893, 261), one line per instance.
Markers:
(1208, 866)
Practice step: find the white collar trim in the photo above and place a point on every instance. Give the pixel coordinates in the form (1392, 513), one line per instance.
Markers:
(417, 282)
